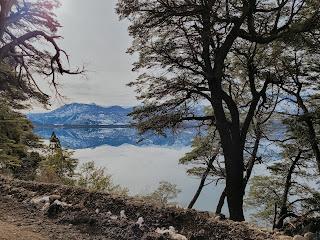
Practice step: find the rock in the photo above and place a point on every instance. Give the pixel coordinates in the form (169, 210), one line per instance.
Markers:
(114, 217)
(45, 207)
(283, 237)
(140, 222)
(171, 232)
(97, 211)
(310, 236)
(109, 214)
(63, 204)
(38, 200)
(298, 237)
(53, 210)
(123, 214)
(52, 198)
(178, 236)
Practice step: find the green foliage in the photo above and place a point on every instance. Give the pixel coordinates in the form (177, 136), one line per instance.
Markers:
(203, 149)
(96, 179)
(164, 194)
(58, 167)
(290, 182)
(263, 196)
(16, 140)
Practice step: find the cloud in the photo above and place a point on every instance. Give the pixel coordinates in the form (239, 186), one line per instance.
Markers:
(94, 37)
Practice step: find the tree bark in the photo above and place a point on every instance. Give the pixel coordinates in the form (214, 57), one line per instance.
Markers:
(253, 158)
(221, 202)
(249, 169)
(234, 186)
(311, 131)
(202, 182)
(229, 130)
(284, 199)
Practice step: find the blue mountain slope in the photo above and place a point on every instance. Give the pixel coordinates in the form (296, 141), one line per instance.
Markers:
(83, 114)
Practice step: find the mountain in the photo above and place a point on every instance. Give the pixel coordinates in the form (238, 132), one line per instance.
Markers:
(83, 114)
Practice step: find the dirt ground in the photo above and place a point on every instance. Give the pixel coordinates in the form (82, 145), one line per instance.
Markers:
(10, 231)
(18, 222)
(86, 215)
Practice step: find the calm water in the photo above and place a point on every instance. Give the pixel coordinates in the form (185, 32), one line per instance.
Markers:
(135, 163)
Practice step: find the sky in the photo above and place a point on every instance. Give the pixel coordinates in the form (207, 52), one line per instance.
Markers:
(94, 38)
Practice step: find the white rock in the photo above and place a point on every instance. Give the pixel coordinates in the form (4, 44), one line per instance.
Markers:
(283, 237)
(140, 222)
(162, 231)
(310, 236)
(45, 206)
(114, 217)
(63, 204)
(97, 211)
(37, 200)
(298, 237)
(109, 214)
(177, 236)
(123, 214)
(172, 233)
(54, 197)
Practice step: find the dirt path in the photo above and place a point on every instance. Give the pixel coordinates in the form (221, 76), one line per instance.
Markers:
(10, 231)
(18, 222)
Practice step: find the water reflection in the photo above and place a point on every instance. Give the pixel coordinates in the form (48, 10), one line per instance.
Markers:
(80, 138)
(139, 166)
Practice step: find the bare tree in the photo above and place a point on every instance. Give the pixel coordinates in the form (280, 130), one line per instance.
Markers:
(29, 48)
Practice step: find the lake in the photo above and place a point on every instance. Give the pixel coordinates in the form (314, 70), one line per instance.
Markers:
(135, 162)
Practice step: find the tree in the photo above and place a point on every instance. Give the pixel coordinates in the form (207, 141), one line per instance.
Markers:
(25, 28)
(185, 49)
(299, 70)
(206, 160)
(164, 194)
(17, 143)
(59, 165)
(288, 191)
(96, 179)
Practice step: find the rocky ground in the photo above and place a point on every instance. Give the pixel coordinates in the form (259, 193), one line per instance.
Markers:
(32, 210)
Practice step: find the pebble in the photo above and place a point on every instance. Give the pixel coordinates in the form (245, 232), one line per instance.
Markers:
(310, 236)
(283, 237)
(298, 237)
(114, 217)
(140, 222)
(123, 214)
(54, 197)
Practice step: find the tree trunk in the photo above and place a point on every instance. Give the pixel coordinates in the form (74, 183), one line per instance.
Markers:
(311, 131)
(234, 184)
(249, 169)
(221, 202)
(202, 182)
(234, 164)
(284, 200)
(313, 141)
(253, 158)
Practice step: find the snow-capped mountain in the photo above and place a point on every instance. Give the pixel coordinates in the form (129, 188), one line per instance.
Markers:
(83, 114)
